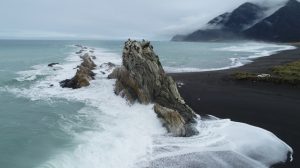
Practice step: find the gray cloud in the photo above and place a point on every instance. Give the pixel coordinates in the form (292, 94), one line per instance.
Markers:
(109, 19)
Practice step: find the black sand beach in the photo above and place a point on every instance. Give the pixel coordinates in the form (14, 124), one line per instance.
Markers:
(274, 107)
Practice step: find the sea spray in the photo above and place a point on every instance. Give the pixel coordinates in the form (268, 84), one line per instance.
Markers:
(108, 132)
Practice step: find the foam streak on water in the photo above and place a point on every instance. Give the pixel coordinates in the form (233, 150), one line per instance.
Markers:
(110, 133)
(252, 50)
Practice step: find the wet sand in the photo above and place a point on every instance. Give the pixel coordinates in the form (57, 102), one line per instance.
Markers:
(270, 106)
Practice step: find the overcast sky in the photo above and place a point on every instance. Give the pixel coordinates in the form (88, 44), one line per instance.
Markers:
(108, 19)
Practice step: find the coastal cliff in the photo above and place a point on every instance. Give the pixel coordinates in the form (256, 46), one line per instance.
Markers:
(141, 78)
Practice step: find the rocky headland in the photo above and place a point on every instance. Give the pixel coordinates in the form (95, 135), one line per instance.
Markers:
(141, 78)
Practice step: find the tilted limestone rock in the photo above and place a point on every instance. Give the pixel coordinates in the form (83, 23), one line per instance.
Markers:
(87, 61)
(142, 78)
(172, 120)
(83, 75)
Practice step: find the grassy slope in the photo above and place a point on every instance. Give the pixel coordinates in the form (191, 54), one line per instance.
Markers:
(287, 73)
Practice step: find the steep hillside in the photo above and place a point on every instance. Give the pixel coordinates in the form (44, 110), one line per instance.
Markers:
(248, 22)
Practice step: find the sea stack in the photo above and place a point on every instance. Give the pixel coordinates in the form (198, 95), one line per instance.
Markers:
(83, 75)
(142, 78)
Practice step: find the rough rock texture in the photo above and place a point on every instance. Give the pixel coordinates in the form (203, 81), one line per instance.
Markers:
(142, 78)
(171, 119)
(83, 75)
(88, 62)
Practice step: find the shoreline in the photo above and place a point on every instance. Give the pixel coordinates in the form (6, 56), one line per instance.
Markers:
(237, 62)
(270, 106)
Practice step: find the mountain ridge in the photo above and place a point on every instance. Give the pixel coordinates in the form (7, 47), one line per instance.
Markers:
(283, 25)
(249, 21)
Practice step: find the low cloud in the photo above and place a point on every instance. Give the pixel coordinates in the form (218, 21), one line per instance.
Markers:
(109, 19)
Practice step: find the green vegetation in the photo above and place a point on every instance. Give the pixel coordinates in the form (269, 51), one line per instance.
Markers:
(244, 76)
(288, 73)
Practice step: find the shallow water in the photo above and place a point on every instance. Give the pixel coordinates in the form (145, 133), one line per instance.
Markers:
(43, 126)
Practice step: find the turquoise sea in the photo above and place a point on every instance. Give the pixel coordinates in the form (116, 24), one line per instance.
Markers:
(44, 126)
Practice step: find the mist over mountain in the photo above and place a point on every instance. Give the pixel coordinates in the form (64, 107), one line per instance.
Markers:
(110, 19)
(251, 21)
(283, 25)
(243, 16)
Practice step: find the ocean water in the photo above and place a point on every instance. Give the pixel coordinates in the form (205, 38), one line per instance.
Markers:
(53, 127)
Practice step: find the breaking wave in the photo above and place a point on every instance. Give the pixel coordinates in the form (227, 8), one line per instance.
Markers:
(110, 133)
(252, 49)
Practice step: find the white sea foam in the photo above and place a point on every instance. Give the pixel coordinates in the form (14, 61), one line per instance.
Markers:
(235, 62)
(221, 143)
(256, 47)
(255, 50)
(115, 134)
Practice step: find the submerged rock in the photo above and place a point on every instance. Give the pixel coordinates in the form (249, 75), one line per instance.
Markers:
(52, 64)
(80, 51)
(141, 78)
(83, 75)
(78, 45)
(108, 66)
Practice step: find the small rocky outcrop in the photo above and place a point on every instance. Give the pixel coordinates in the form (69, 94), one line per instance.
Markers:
(52, 64)
(80, 52)
(88, 62)
(83, 75)
(141, 78)
(108, 66)
(78, 45)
